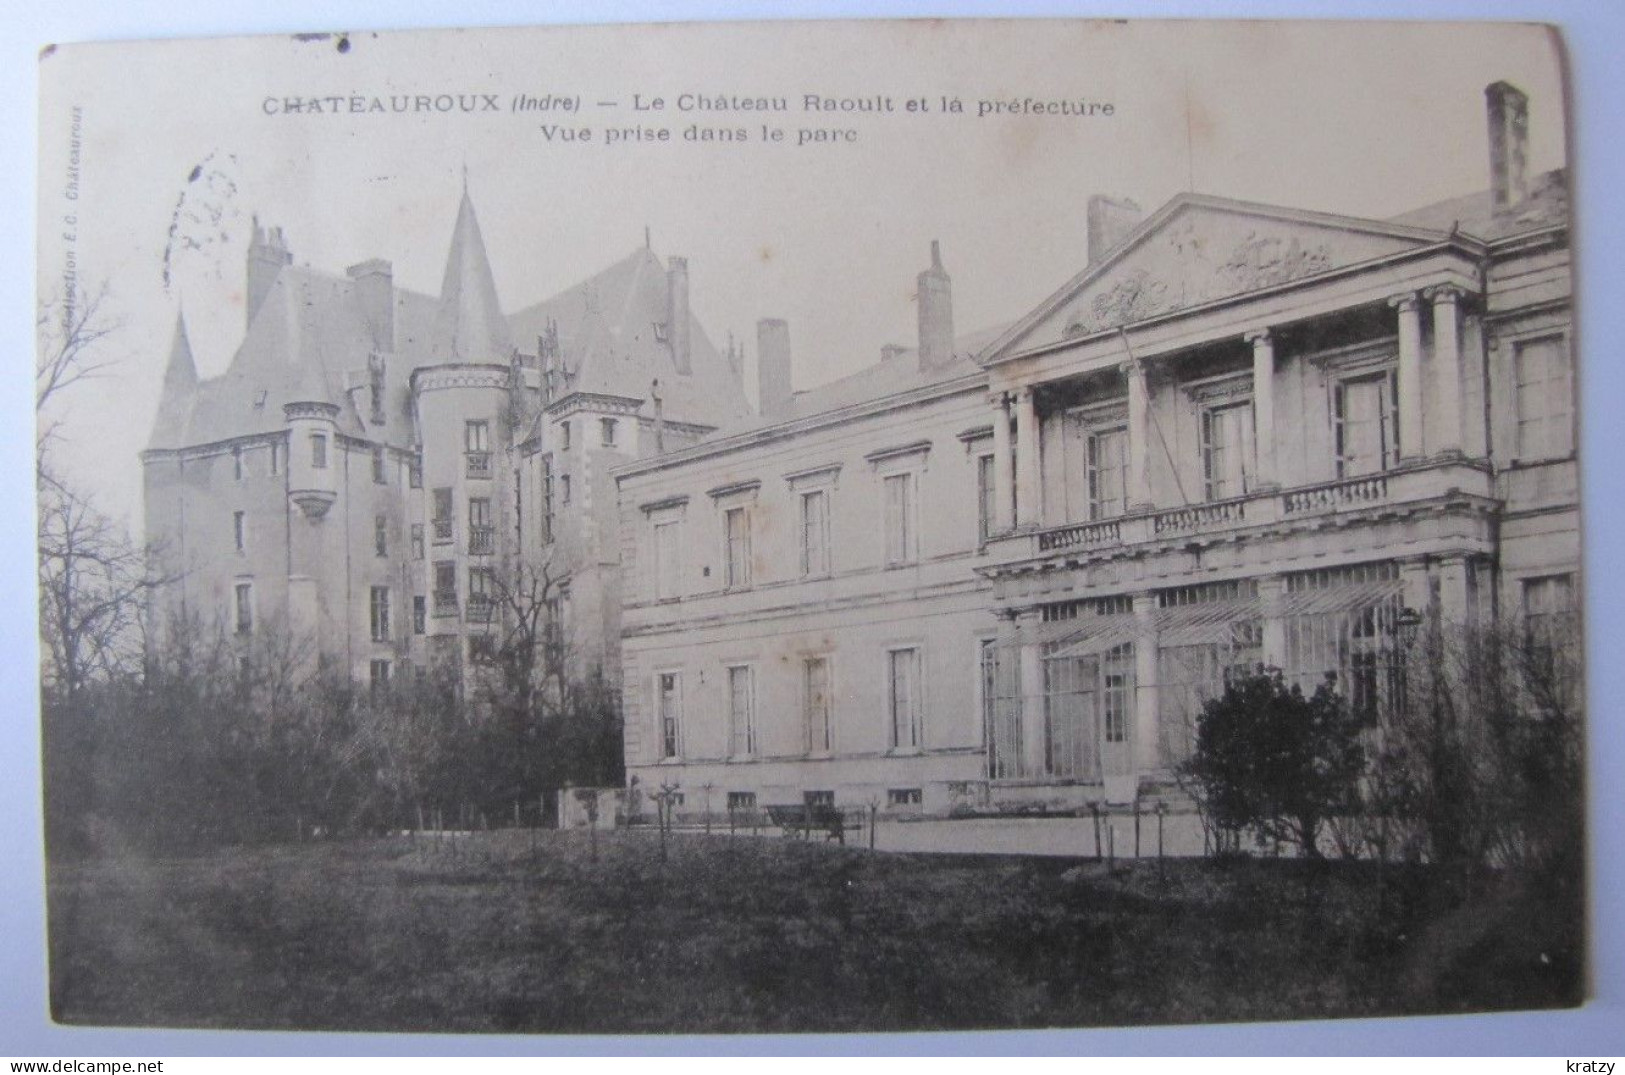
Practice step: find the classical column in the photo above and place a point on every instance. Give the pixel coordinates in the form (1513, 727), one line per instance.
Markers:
(1272, 603)
(1028, 628)
(1410, 376)
(1139, 436)
(1029, 491)
(1003, 474)
(1147, 717)
(1445, 427)
(1264, 474)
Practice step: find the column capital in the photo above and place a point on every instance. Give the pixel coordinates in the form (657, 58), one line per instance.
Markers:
(1024, 394)
(1443, 293)
(1132, 367)
(998, 399)
(1258, 336)
(1404, 303)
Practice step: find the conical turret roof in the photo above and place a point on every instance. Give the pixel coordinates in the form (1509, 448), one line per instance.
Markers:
(469, 326)
(179, 392)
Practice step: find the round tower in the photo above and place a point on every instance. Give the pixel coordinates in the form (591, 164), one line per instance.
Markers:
(312, 450)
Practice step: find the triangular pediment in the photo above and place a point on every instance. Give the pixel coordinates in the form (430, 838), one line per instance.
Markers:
(1197, 250)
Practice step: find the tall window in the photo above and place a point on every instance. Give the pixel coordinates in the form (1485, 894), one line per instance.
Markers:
(417, 541)
(276, 458)
(816, 704)
(442, 516)
(1366, 418)
(379, 477)
(564, 489)
(547, 499)
(986, 498)
(445, 587)
(380, 614)
(244, 593)
(237, 464)
(1545, 399)
(378, 675)
(481, 594)
(669, 702)
(666, 570)
(239, 529)
(481, 534)
(420, 615)
(1227, 449)
(477, 447)
(1116, 674)
(414, 473)
(564, 435)
(815, 533)
(904, 680)
(736, 542)
(1548, 603)
(380, 535)
(607, 431)
(1108, 472)
(741, 712)
(899, 521)
(318, 451)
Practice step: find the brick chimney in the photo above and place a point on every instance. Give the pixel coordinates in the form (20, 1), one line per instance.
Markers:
(1110, 221)
(1507, 109)
(773, 366)
(267, 254)
(936, 301)
(375, 289)
(677, 313)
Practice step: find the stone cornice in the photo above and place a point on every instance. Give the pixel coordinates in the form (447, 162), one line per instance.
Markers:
(460, 375)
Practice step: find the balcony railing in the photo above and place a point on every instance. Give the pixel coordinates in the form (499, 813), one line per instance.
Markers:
(480, 609)
(481, 540)
(445, 603)
(479, 464)
(1405, 484)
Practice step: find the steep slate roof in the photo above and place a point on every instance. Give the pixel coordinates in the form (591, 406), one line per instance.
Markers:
(608, 342)
(179, 392)
(469, 326)
(1546, 205)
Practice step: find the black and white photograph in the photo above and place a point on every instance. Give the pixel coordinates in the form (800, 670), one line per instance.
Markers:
(810, 527)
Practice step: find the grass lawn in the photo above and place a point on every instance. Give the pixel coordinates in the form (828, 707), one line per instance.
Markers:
(504, 934)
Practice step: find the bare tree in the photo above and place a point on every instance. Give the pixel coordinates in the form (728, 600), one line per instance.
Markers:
(69, 336)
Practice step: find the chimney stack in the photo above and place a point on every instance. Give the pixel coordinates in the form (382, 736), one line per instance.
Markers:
(267, 254)
(936, 314)
(677, 313)
(375, 286)
(1110, 221)
(1507, 109)
(773, 366)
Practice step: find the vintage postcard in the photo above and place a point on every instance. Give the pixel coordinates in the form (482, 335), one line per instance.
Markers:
(809, 527)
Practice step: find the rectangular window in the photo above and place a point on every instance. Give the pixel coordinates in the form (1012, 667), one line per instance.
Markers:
(741, 800)
(482, 649)
(414, 473)
(547, 500)
(564, 489)
(481, 534)
(1108, 472)
(1545, 399)
(669, 699)
(816, 704)
(380, 535)
(276, 458)
(1366, 424)
(442, 516)
(666, 553)
(380, 614)
(1227, 450)
(741, 712)
(815, 533)
(986, 498)
(818, 798)
(903, 797)
(736, 547)
(239, 529)
(237, 464)
(1117, 674)
(318, 451)
(1548, 605)
(904, 680)
(477, 447)
(445, 588)
(379, 476)
(378, 675)
(417, 541)
(420, 615)
(564, 436)
(607, 431)
(481, 594)
(899, 520)
(245, 607)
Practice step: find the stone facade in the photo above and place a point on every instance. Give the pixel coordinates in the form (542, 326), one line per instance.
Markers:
(1242, 434)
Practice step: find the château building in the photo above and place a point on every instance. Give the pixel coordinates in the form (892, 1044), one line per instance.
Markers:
(377, 469)
(1006, 570)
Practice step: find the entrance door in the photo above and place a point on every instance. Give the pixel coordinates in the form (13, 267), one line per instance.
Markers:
(1115, 698)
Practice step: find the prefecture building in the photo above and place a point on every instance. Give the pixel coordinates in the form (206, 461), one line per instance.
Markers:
(1006, 570)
